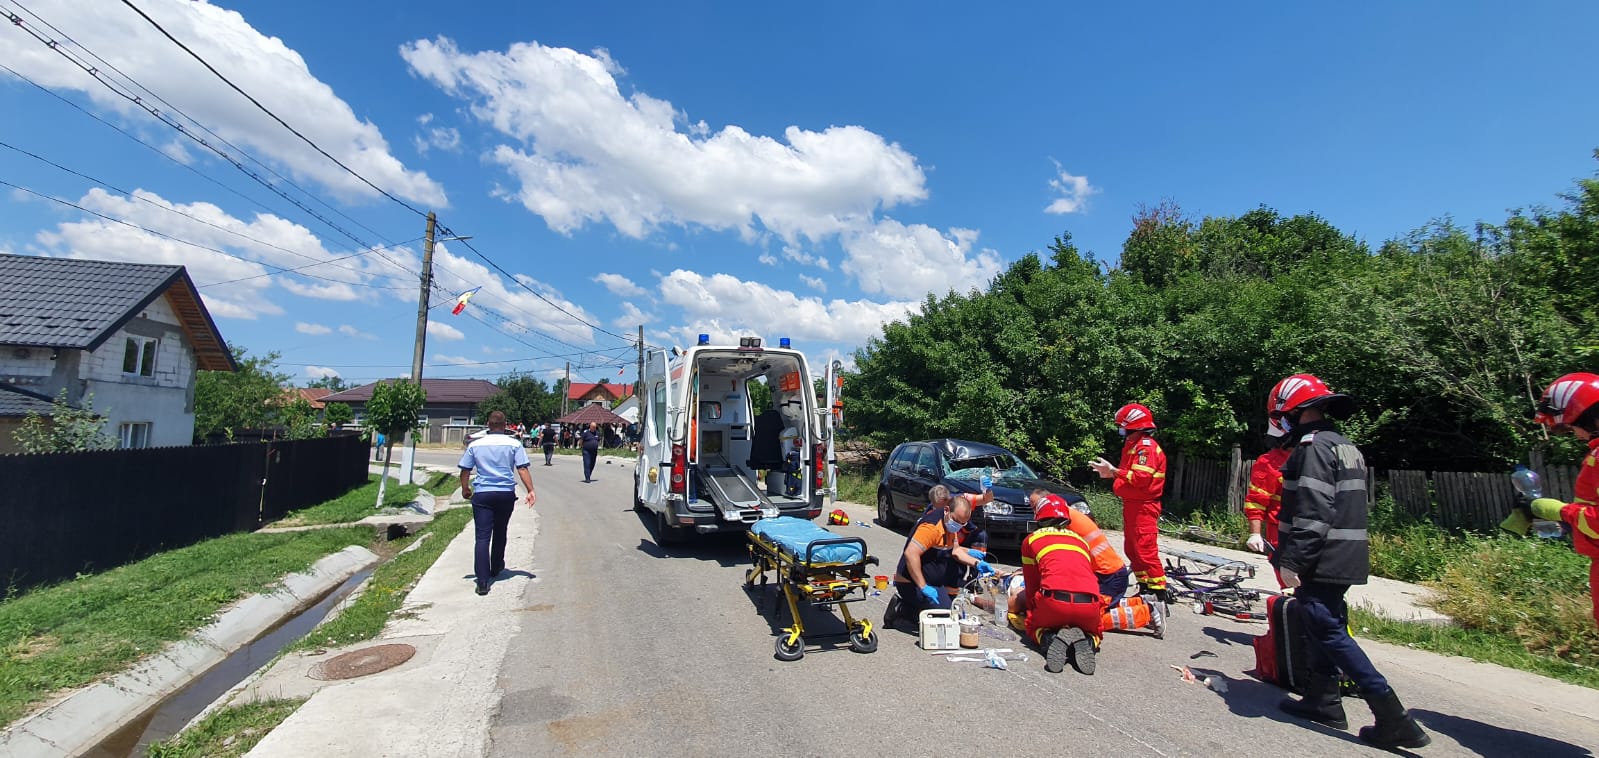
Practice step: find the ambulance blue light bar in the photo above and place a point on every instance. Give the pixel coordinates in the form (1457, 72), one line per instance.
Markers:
(705, 339)
(784, 342)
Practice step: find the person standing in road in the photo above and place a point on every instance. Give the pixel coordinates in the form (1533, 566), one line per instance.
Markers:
(547, 441)
(1322, 553)
(1572, 403)
(493, 458)
(1264, 500)
(591, 450)
(1140, 481)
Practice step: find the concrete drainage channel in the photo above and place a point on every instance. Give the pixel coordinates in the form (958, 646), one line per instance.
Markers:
(122, 715)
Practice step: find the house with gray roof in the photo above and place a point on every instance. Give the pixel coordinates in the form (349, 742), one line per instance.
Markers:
(450, 412)
(132, 335)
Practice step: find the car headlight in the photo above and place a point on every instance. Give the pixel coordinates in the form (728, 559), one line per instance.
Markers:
(998, 508)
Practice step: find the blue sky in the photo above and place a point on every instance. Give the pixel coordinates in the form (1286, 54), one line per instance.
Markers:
(803, 171)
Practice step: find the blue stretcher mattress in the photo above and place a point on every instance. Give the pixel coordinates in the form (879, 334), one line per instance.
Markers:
(793, 536)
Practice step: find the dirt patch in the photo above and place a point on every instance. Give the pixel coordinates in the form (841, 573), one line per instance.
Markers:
(537, 608)
(32, 647)
(580, 731)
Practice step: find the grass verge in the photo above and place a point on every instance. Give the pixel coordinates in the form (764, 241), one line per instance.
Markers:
(71, 634)
(1478, 645)
(857, 486)
(442, 483)
(355, 505)
(387, 587)
(614, 452)
(229, 732)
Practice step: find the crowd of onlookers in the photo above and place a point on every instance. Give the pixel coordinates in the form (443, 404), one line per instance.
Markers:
(611, 435)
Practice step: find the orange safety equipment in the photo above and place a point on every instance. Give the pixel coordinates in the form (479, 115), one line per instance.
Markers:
(1135, 417)
(1129, 614)
(1140, 482)
(838, 516)
(1567, 399)
(1059, 584)
(1302, 391)
(1265, 496)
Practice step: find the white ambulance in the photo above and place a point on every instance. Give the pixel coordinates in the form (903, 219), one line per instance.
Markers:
(709, 461)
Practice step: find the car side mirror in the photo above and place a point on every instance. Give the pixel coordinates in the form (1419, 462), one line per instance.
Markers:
(924, 472)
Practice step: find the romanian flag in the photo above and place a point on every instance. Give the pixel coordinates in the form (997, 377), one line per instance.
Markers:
(460, 302)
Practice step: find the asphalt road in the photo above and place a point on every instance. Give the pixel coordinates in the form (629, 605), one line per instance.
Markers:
(627, 648)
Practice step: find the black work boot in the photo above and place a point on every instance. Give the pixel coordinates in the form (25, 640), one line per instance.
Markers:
(891, 616)
(1394, 727)
(1321, 703)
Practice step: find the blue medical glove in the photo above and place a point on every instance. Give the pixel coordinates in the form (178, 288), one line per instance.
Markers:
(931, 594)
(978, 554)
(983, 569)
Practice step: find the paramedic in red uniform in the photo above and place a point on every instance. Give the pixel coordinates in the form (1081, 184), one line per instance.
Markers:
(1061, 594)
(1122, 613)
(1572, 403)
(1139, 481)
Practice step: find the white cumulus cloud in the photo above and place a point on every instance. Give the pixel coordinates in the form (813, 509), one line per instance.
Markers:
(452, 360)
(632, 317)
(727, 307)
(583, 150)
(814, 282)
(443, 331)
(1073, 191)
(264, 66)
(321, 372)
(350, 331)
(910, 261)
(619, 285)
(314, 329)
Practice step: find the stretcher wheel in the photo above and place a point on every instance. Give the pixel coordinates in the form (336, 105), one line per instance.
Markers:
(863, 644)
(786, 652)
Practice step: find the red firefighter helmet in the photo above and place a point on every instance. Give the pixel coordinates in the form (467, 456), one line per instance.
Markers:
(1052, 506)
(1302, 391)
(839, 517)
(1135, 417)
(1567, 399)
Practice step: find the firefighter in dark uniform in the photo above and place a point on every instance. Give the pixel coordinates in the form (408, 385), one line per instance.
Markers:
(1322, 551)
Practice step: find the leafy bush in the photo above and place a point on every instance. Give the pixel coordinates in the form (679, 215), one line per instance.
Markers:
(1418, 552)
(1535, 592)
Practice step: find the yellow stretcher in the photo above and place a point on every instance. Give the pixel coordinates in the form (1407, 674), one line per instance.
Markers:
(816, 566)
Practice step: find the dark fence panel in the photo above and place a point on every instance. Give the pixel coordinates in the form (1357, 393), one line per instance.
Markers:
(61, 514)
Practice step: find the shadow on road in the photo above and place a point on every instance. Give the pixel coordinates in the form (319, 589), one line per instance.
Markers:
(1230, 636)
(1251, 698)
(725, 549)
(824, 629)
(1487, 739)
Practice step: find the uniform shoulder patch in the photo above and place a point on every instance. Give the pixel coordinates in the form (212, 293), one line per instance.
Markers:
(1307, 439)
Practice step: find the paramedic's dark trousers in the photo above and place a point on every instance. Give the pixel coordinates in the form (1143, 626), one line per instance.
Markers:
(491, 514)
(1325, 616)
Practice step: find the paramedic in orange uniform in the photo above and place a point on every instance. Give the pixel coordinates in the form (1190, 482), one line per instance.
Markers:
(1139, 481)
(1123, 613)
(1061, 595)
(1572, 403)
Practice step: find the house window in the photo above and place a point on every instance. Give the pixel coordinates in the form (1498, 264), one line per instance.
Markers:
(134, 435)
(138, 356)
(460, 420)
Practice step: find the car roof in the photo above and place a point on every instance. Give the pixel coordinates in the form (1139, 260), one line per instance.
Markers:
(961, 449)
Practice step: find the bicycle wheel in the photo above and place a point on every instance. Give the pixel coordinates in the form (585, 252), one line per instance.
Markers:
(1236, 602)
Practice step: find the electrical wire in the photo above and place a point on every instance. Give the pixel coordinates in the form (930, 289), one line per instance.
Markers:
(268, 111)
(218, 227)
(169, 106)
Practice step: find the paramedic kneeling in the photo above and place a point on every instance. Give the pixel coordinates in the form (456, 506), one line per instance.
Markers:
(933, 560)
(1064, 607)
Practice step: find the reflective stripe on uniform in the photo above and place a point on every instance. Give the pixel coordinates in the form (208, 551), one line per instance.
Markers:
(1143, 468)
(1052, 548)
(1584, 527)
(1312, 525)
(1346, 534)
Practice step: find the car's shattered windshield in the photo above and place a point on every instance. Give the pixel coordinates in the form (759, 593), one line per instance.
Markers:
(1001, 466)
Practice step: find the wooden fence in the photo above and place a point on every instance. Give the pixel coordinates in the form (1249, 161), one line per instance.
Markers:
(1452, 499)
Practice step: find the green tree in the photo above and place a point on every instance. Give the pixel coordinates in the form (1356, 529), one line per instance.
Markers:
(337, 414)
(334, 382)
(300, 420)
(67, 430)
(523, 398)
(394, 410)
(249, 398)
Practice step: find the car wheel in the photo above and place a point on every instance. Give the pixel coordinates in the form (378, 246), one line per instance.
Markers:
(885, 510)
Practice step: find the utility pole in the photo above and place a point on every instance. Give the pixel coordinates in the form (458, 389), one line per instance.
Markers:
(421, 333)
(566, 392)
(638, 379)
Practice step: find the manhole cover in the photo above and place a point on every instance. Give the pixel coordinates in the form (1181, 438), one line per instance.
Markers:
(362, 662)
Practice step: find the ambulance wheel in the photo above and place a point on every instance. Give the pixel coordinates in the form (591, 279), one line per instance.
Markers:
(667, 535)
(638, 502)
(863, 644)
(786, 652)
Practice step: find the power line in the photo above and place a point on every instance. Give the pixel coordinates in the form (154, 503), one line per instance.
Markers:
(95, 73)
(446, 230)
(268, 111)
(218, 227)
(157, 97)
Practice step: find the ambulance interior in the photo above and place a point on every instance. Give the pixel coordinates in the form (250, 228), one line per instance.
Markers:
(735, 442)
